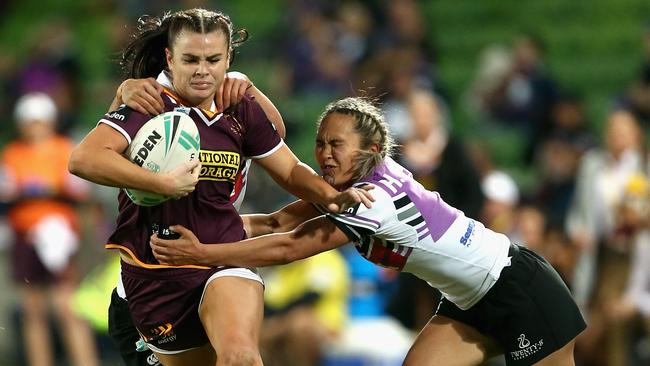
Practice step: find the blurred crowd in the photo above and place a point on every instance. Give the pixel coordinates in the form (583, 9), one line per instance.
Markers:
(587, 209)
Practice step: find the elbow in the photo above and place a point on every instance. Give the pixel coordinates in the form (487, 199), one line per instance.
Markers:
(273, 224)
(79, 163)
(76, 162)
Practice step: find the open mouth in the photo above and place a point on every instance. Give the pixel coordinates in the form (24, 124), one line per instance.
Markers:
(327, 169)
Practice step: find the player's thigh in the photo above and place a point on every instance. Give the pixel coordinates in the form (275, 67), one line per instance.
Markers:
(232, 311)
(444, 341)
(561, 357)
(202, 356)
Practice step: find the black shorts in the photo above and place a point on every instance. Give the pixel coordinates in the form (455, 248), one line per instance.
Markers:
(529, 311)
(124, 334)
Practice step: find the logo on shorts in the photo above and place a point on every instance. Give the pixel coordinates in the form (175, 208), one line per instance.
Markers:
(162, 334)
(523, 342)
(526, 348)
(153, 360)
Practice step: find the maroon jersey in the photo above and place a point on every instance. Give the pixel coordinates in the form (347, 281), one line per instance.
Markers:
(226, 141)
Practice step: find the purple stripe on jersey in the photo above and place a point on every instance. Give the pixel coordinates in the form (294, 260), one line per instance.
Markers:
(423, 235)
(436, 213)
(388, 188)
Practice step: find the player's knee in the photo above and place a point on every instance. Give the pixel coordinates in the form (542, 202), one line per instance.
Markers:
(240, 356)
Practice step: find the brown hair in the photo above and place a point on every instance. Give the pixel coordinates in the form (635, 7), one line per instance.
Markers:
(144, 56)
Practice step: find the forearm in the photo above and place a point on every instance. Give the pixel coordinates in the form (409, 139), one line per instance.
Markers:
(309, 238)
(273, 249)
(106, 167)
(304, 183)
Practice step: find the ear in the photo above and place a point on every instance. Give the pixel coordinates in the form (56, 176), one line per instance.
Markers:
(168, 56)
(374, 148)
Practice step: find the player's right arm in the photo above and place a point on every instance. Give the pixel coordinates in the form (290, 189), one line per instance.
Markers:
(99, 158)
(283, 220)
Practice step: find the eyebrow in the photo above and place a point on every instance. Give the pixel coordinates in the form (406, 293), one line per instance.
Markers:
(190, 55)
(330, 141)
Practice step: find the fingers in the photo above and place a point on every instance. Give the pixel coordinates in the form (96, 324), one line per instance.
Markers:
(180, 229)
(154, 91)
(143, 95)
(192, 165)
(225, 93)
(237, 91)
(366, 197)
(158, 245)
(333, 207)
(144, 104)
(232, 90)
(218, 98)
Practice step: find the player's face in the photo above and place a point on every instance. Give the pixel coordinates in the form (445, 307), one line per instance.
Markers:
(198, 64)
(336, 147)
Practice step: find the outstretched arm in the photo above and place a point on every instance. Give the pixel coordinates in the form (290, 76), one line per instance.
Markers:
(283, 220)
(301, 181)
(309, 238)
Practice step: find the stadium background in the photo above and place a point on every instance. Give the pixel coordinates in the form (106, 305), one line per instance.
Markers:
(593, 50)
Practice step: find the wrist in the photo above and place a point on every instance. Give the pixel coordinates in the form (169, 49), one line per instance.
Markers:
(160, 183)
(201, 255)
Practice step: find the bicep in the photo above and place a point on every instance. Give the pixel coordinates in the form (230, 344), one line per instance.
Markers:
(105, 137)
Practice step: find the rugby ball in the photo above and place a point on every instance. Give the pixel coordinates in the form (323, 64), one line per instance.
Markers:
(162, 144)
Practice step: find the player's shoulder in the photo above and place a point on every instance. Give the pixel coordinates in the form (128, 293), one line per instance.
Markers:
(124, 113)
(246, 108)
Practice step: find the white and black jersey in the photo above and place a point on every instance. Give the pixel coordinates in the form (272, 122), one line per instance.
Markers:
(412, 229)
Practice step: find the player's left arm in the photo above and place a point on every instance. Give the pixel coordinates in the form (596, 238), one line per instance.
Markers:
(309, 238)
(300, 180)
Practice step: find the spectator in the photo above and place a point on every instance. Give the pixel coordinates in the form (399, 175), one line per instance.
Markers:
(39, 191)
(527, 93)
(501, 199)
(591, 221)
(600, 182)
